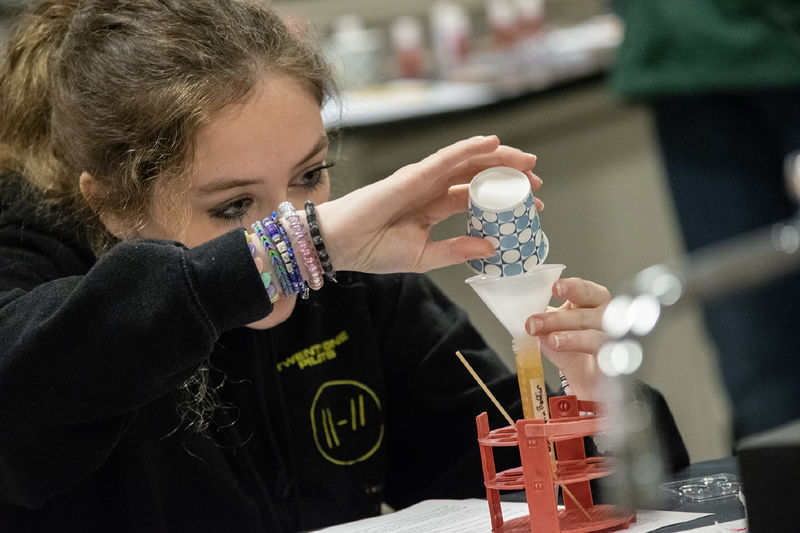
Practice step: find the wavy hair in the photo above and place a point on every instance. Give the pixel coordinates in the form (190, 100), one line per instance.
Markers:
(118, 89)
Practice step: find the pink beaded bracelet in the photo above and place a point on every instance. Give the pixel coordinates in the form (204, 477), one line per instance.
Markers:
(302, 242)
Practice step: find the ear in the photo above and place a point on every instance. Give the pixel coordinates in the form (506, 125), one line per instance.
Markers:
(94, 191)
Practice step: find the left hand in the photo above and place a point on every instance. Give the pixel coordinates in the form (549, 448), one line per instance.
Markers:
(571, 335)
(386, 226)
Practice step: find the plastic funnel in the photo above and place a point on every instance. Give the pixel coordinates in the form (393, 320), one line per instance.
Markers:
(513, 299)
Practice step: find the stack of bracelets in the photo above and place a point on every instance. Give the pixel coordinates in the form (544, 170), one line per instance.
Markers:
(281, 234)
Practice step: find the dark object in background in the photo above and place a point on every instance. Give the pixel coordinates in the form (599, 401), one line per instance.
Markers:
(769, 465)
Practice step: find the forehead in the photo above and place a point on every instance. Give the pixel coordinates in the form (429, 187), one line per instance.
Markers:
(272, 131)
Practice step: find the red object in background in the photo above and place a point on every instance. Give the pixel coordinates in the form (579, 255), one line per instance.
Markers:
(407, 43)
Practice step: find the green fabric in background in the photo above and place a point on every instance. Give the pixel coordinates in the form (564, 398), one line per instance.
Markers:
(693, 46)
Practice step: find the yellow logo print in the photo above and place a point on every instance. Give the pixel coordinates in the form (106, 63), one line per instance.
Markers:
(314, 354)
(346, 421)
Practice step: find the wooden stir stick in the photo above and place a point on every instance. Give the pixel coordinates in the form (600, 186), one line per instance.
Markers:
(511, 421)
(485, 389)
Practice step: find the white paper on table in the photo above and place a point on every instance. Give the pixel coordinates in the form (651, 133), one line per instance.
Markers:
(472, 516)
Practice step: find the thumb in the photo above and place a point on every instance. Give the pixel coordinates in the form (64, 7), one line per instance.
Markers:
(439, 254)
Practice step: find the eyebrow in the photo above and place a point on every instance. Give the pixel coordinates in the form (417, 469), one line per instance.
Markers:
(322, 143)
(222, 184)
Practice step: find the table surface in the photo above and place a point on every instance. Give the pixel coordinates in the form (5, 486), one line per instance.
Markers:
(723, 509)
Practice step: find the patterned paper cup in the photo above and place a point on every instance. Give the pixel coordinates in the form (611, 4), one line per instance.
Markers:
(502, 211)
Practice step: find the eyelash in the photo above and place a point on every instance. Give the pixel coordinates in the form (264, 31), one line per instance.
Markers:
(315, 179)
(219, 213)
(316, 176)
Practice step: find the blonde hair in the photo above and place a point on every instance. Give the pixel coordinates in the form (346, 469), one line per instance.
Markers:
(118, 89)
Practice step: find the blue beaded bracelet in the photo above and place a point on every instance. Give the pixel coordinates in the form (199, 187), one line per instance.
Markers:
(266, 278)
(284, 247)
(278, 265)
(300, 283)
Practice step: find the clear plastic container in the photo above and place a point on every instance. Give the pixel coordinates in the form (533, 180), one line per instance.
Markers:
(704, 488)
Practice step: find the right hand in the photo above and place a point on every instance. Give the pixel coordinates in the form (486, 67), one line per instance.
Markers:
(572, 334)
(385, 226)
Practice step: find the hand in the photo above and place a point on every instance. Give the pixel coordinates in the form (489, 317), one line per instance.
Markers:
(385, 226)
(571, 335)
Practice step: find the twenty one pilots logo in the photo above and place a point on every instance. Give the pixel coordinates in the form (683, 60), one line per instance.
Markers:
(346, 421)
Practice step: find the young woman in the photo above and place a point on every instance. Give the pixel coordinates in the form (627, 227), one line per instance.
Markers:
(154, 373)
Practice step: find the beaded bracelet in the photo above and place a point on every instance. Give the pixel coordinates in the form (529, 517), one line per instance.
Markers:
(290, 218)
(266, 278)
(278, 265)
(319, 245)
(284, 246)
(302, 286)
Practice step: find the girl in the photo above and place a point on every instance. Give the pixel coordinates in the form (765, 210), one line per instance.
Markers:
(157, 372)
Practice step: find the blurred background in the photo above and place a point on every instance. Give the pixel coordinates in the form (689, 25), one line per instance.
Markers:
(417, 75)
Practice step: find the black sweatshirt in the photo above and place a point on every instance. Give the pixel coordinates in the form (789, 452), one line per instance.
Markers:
(357, 399)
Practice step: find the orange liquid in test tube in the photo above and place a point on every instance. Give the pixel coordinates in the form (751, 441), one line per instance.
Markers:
(530, 374)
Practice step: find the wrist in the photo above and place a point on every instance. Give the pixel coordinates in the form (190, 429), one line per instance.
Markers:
(263, 264)
(295, 227)
(332, 235)
(584, 378)
(289, 243)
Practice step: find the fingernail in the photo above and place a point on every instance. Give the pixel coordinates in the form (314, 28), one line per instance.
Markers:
(534, 325)
(556, 340)
(559, 290)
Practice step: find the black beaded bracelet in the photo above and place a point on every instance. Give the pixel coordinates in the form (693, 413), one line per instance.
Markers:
(316, 238)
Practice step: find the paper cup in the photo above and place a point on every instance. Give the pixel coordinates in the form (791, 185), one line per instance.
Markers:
(502, 211)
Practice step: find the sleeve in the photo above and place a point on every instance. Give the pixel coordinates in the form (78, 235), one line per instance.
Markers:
(80, 354)
(432, 434)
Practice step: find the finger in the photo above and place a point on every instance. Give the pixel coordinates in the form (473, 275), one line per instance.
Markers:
(574, 320)
(536, 181)
(588, 341)
(442, 162)
(581, 293)
(503, 156)
(457, 200)
(439, 254)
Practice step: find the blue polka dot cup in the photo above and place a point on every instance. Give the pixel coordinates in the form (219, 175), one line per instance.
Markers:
(502, 211)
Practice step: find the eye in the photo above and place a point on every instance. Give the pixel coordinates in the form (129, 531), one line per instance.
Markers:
(232, 210)
(312, 178)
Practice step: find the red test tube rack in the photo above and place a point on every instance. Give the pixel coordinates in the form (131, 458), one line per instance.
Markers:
(571, 420)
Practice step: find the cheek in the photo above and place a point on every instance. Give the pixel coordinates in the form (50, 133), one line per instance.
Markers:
(200, 230)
